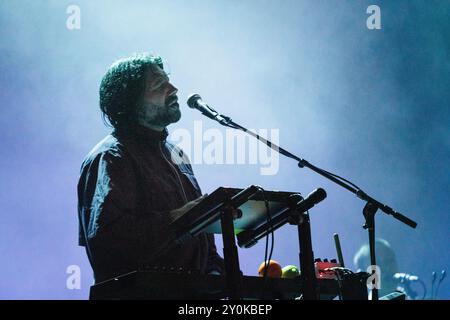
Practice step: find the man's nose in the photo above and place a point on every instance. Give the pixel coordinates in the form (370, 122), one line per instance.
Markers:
(171, 88)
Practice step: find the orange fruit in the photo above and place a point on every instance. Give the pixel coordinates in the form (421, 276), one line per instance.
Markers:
(273, 269)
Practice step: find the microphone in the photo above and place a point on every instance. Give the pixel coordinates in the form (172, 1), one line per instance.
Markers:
(194, 101)
(302, 205)
(405, 277)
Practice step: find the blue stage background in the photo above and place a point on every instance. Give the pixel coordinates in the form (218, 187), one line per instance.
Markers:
(370, 105)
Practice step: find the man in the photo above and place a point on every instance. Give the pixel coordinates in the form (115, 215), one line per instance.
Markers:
(132, 184)
(385, 258)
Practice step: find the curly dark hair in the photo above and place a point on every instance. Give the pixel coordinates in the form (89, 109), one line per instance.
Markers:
(122, 88)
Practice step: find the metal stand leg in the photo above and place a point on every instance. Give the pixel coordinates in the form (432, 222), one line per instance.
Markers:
(369, 214)
(306, 254)
(230, 252)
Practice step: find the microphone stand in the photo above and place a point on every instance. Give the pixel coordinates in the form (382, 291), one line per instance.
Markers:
(371, 207)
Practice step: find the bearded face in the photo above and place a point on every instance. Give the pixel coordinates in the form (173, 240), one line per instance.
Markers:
(159, 106)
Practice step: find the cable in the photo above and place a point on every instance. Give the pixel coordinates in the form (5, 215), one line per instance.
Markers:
(229, 123)
(443, 274)
(340, 178)
(433, 281)
(424, 289)
(270, 233)
(340, 273)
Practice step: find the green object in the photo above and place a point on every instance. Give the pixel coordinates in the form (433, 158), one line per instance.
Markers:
(290, 272)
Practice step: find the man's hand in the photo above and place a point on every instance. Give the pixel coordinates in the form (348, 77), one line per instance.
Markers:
(179, 212)
(176, 213)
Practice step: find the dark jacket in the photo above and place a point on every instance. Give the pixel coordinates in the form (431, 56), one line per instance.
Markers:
(129, 182)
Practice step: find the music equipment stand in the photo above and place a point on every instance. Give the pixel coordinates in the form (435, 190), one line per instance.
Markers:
(217, 214)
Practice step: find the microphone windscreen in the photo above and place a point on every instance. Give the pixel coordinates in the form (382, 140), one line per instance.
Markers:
(317, 195)
(192, 100)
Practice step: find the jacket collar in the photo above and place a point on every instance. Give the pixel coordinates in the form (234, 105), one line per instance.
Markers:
(143, 135)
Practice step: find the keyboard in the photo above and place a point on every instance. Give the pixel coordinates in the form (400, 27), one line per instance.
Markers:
(185, 285)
